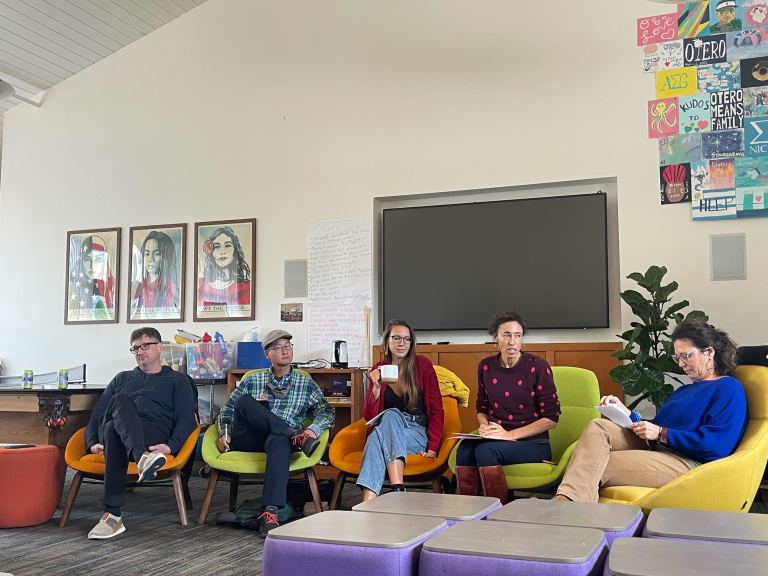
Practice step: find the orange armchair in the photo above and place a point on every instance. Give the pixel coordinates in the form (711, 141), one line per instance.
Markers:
(346, 452)
(87, 465)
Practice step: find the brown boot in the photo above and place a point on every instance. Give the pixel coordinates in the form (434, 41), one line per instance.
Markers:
(467, 481)
(494, 482)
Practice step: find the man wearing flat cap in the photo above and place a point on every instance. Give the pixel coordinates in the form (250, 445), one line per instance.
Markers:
(266, 413)
(726, 16)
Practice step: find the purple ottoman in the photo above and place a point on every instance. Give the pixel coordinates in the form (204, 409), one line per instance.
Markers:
(615, 520)
(667, 557)
(450, 507)
(731, 527)
(511, 548)
(345, 543)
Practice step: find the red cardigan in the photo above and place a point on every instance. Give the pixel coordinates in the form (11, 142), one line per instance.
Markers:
(426, 380)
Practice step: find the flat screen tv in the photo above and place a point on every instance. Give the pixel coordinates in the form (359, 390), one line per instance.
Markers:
(452, 267)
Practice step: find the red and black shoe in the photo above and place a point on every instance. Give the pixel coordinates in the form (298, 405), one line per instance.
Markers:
(268, 520)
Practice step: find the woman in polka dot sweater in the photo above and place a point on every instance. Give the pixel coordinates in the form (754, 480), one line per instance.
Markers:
(516, 405)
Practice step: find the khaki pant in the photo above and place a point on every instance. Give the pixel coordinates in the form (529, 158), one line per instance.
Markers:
(609, 455)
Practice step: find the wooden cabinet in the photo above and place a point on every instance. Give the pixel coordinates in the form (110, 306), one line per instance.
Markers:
(462, 359)
(347, 409)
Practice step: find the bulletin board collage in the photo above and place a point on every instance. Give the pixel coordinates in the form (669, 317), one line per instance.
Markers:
(710, 111)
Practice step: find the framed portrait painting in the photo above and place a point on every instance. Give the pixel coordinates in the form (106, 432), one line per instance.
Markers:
(93, 267)
(156, 279)
(225, 283)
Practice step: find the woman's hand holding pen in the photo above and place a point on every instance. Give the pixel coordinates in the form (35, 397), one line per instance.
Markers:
(613, 401)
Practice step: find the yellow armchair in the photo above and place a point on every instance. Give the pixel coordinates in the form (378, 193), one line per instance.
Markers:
(91, 466)
(346, 452)
(729, 484)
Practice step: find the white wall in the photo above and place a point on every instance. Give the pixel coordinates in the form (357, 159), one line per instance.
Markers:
(298, 112)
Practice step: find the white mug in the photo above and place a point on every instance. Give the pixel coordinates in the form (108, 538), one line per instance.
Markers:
(388, 372)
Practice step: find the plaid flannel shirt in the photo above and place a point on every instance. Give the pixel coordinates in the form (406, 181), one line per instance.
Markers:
(303, 397)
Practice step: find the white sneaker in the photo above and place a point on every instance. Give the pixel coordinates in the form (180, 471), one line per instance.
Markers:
(107, 527)
(149, 464)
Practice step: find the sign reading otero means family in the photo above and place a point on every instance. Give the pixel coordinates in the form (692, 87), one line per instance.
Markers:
(727, 109)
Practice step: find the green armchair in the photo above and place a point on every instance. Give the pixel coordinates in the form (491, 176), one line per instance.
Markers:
(234, 463)
(579, 393)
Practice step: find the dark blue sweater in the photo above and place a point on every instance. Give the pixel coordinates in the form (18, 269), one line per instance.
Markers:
(164, 399)
(705, 420)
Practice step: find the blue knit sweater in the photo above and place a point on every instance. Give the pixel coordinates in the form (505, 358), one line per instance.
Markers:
(705, 420)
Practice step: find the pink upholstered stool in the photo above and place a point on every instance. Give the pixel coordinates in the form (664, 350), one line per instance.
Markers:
(30, 485)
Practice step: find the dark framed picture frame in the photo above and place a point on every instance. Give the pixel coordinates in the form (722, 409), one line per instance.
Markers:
(93, 273)
(156, 273)
(225, 273)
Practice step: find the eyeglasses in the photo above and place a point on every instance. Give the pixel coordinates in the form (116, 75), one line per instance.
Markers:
(406, 339)
(282, 348)
(145, 346)
(684, 355)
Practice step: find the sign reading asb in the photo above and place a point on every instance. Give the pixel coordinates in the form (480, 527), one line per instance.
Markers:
(756, 136)
(704, 50)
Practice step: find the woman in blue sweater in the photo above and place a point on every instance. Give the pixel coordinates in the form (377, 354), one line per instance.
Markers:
(699, 422)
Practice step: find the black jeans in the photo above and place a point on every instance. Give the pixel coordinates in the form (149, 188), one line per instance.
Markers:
(256, 429)
(125, 437)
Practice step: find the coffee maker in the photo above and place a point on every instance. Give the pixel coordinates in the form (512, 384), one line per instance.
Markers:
(340, 358)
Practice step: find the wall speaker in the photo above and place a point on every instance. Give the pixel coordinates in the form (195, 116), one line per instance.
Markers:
(728, 256)
(295, 277)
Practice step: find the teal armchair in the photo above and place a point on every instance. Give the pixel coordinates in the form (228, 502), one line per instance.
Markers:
(233, 464)
(579, 393)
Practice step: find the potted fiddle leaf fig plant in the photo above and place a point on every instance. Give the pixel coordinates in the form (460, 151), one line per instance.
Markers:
(647, 355)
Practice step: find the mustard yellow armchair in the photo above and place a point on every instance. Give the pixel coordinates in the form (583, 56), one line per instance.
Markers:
(92, 466)
(729, 484)
(346, 452)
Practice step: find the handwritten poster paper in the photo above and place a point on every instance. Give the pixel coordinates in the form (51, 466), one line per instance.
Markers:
(654, 29)
(663, 56)
(339, 288)
(756, 136)
(676, 82)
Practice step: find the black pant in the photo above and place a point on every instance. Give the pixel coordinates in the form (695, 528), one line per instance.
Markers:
(125, 437)
(257, 429)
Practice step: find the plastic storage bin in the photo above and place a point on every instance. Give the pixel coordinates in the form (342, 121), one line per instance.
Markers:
(209, 360)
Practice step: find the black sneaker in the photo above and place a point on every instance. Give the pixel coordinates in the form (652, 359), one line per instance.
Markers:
(309, 445)
(268, 520)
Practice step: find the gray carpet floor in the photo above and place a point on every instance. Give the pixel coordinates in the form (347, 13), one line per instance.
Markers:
(154, 541)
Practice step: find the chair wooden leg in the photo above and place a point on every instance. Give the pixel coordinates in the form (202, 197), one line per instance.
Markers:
(315, 489)
(436, 486)
(213, 478)
(234, 486)
(179, 491)
(341, 478)
(74, 488)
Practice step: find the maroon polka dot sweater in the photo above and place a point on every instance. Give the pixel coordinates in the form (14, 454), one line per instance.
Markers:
(514, 397)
